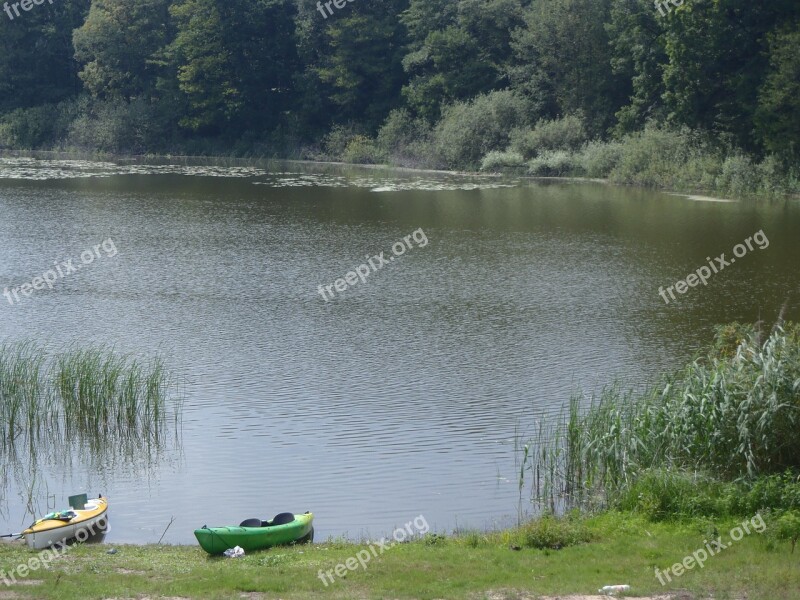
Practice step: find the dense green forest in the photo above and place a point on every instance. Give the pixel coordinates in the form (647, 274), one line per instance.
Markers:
(687, 94)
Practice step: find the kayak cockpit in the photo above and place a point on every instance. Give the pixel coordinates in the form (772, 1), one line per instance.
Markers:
(279, 519)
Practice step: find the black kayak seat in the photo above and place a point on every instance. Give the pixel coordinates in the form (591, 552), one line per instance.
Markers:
(279, 519)
(250, 523)
(282, 519)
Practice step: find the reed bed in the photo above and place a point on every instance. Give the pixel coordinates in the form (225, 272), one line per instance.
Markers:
(101, 389)
(21, 390)
(92, 395)
(732, 414)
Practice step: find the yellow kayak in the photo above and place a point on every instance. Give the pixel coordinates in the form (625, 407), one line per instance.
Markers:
(60, 527)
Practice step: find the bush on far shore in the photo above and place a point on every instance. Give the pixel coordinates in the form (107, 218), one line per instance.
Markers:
(599, 159)
(555, 163)
(656, 157)
(502, 161)
(119, 126)
(405, 141)
(363, 150)
(567, 133)
(39, 126)
(468, 131)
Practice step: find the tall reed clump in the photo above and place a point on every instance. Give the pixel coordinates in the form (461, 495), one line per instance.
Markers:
(22, 391)
(81, 395)
(100, 390)
(734, 413)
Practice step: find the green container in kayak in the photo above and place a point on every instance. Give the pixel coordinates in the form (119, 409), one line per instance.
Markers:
(215, 540)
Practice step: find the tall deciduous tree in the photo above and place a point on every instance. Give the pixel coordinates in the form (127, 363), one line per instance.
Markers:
(636, 35)
(778, 113)
(717, 59)
(564, 48)
(360, 67)
(457, 50)
(235, 61)
(117, 45)
(36, 57)
(204, 66)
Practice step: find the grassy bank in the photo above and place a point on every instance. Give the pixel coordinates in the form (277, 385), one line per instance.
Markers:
(624, 549)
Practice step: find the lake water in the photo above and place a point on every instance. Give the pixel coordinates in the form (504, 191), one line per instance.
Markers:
(403, 394)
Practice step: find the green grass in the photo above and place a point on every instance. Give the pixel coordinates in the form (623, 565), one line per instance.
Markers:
(624, 549)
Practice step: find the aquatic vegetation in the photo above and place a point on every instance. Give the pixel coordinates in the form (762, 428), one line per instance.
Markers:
(733, 413)
(88, 405)
(98, 388)
(21, 388)
(82, 395)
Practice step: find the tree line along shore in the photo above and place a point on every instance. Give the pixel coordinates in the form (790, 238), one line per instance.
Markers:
(703, 97)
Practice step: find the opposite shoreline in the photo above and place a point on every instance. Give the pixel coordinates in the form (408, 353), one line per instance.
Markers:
(266, 161)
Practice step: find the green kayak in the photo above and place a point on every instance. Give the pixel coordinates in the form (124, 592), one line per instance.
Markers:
(254, 534)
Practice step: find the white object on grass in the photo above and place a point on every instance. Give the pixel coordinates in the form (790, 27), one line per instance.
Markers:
(610, 590)
(234, 552)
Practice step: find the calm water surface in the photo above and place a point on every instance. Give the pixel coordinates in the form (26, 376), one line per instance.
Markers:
(399, 397)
